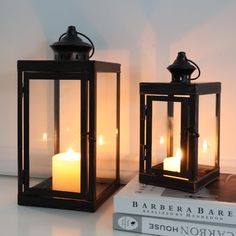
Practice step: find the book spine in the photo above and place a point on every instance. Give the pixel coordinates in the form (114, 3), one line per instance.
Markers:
(195, 210)
(159, 226)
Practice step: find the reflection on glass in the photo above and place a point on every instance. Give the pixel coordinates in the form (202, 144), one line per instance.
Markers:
(45, 136)
(106, 135)
(100, 140)
(207, 130)
(70, 115)
(162, 140)
(41, 130)
(159, 133)
(205, 146)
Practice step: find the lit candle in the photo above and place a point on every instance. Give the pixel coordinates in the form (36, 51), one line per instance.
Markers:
(66, 169)
(173, 163)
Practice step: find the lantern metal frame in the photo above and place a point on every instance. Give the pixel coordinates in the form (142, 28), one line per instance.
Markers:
(42, 194)
(192, 176)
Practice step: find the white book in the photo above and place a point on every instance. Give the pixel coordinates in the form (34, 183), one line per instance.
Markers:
(160, 226)
(216, 203)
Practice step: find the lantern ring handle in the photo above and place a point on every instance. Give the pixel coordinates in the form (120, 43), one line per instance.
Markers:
(93, 48)
(199, 71)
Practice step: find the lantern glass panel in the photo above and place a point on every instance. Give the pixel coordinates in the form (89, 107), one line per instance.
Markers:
(106, 144)
(176, 129)
(159, 133)
(166, 131)
(44, 143)
(207, 129)
(41, 131)
(70, 105)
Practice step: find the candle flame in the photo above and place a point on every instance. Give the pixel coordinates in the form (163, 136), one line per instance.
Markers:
(71, 155)
(100, 140)
(205, 146)
(162, 140)
(45, 136)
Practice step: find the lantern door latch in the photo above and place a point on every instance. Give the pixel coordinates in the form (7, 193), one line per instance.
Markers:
(193, 133)
(89, 137)
(143, 149)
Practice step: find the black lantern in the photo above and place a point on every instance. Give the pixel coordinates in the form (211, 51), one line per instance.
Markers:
(179, 130)
(68, 128)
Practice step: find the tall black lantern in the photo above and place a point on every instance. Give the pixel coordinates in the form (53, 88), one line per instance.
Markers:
(68, 127)
(179, 130)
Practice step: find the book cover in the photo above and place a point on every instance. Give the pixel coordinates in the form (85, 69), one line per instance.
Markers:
(215, 203)
(160, 226)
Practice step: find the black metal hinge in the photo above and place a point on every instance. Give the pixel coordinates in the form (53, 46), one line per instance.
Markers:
(146, 111)
(193, 133)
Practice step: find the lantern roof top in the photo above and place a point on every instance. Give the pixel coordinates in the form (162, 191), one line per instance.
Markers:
(71, 42)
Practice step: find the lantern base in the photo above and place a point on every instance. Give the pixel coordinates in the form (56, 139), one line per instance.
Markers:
(34, 197)
(178, 183)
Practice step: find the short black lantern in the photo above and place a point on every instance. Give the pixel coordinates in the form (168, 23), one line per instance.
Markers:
(179, 130)
(68, 127)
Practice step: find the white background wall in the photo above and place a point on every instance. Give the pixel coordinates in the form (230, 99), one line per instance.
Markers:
(144, 36)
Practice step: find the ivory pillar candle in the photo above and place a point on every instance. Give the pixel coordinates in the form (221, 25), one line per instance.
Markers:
(66, 171)
(173, 163)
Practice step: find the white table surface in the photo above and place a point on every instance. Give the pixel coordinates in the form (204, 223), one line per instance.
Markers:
(37, 221)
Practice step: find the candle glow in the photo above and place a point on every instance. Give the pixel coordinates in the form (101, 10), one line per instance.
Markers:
(173, 163)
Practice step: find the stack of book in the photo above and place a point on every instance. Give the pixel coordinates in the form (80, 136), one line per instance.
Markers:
(160, 211)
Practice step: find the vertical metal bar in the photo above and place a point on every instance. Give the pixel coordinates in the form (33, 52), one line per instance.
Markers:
(193, 138)
(118, 127)
(217, 157)
(56, 116)
(92, 76)
(183, 140)
(142, 133)
(170, 128)
(26, 134)
(84, 126)
(19, 133)
(149, 136)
